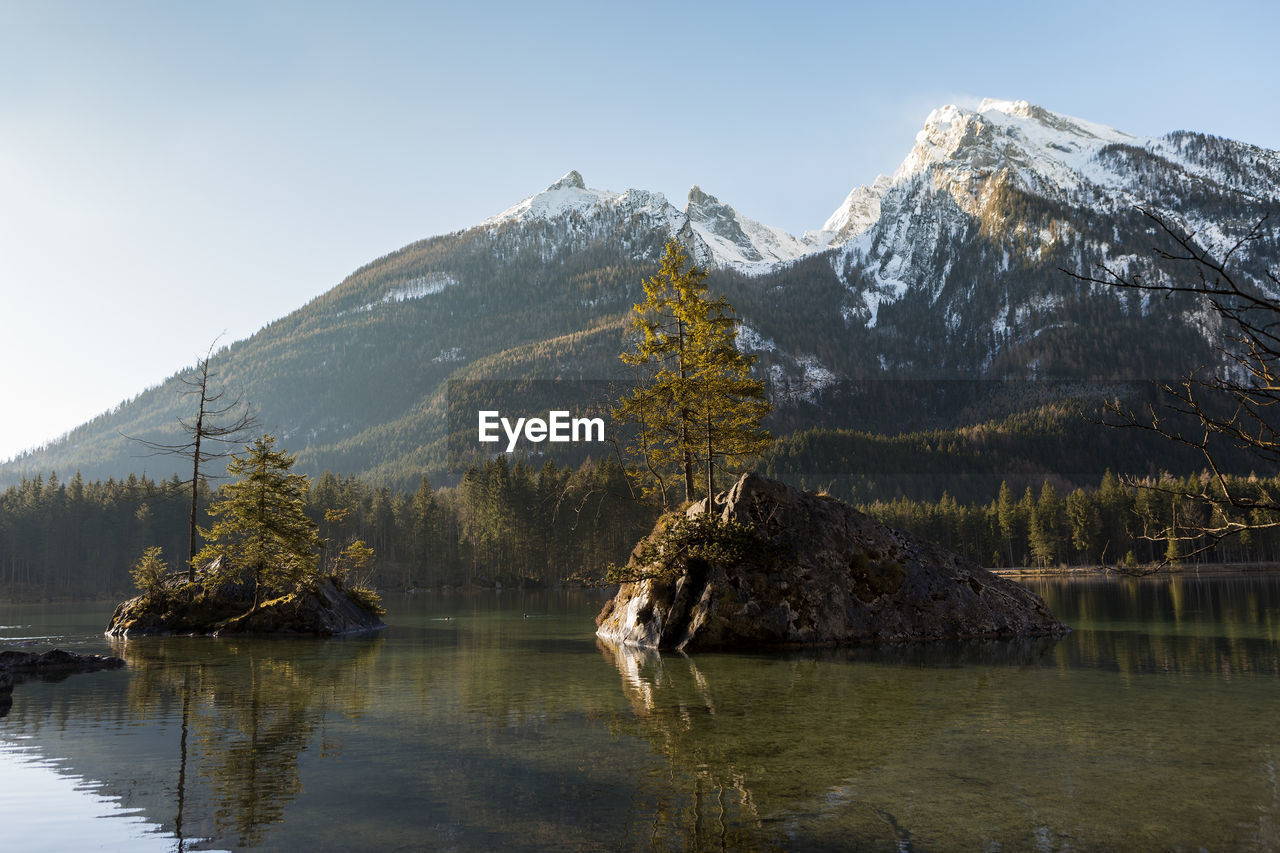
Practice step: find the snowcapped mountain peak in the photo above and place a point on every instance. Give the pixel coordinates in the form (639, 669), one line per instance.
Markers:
(718, 234)
(1036, 149)
(567, 195)
(959, 147)
(1017, 108)
(960, 170)
(727, 238)
(708, 210)
(572, 180)
(858, 212)
(717, 224)
(1062, 124)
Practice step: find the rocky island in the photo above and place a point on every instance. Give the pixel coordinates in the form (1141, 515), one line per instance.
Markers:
(259, 572)
(796, 568)
(320, 608)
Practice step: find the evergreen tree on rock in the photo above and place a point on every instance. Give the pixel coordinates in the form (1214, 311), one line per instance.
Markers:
(262, 531)
(695, 404)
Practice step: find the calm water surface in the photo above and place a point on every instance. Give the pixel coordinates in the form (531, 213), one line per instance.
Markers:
(496, 721)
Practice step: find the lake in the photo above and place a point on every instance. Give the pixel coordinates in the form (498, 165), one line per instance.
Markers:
(495, 721)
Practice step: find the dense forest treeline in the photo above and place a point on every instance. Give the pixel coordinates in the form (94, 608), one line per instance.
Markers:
(1114, 524)
(510, 523)
(505, 523)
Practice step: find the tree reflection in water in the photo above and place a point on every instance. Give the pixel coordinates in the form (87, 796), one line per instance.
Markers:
(769, 744)
(1152, 726)
(980, 745)
(706, 804)
(248, 711)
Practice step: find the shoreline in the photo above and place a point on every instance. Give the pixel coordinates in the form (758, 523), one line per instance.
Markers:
(1139, 572)
(1016, 573)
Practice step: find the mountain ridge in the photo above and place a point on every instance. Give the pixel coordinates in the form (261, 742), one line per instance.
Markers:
(948, 268)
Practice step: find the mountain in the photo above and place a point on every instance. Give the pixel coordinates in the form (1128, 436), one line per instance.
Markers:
(718, 235)
(1003, 194)
(948, 270)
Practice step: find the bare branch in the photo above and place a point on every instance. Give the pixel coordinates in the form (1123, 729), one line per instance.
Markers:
(216, 421)
(1232, 408)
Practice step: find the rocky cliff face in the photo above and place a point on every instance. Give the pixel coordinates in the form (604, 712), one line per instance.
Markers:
(821, 572)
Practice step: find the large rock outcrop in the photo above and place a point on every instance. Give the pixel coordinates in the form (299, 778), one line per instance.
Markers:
(815, 571)
(321, 609)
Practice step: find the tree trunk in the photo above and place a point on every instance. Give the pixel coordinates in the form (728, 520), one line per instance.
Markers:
(195, 492)
(685, 416)
(711, 490)
(689, 488)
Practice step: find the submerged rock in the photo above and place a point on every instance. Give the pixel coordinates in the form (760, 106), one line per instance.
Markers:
(55, 661)
(815, 571)
(52, 665)
(321, 610)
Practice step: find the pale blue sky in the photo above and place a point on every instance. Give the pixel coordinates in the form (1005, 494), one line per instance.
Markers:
(170, 171)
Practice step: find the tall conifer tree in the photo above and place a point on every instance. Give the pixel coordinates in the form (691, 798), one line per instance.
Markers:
(695, 401)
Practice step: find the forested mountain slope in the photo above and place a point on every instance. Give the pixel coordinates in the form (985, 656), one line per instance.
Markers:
(948, 270)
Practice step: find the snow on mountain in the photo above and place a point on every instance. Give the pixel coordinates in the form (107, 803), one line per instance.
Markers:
(951, 267)
(1044, 151)
(859, 211)
(969, 231)
(958, 150)
(897, 229)
(750, 340)
(720, 236)
(956, 184)
(734, 240)
(567, 194)
(570, 195)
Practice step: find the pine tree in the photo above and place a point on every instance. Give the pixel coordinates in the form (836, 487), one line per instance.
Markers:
(1023, 514)
(727, 404)
(149, 571)
(1044, 526)
(694, 401)
(1086, 523)
(1007, 512)
(262, 530)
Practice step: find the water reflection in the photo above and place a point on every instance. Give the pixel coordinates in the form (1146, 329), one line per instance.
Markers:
(248, 710)
(1179, 624)
(80, 819)
(1151, 726)
(230, 721)
(946, 746)
(704, 802)
(764, 749)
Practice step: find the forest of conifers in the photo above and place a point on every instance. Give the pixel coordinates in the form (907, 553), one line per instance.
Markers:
(509, 523)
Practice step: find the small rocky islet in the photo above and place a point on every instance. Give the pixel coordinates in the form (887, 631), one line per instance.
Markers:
(16, 667)
(321, 608)
(810, 570)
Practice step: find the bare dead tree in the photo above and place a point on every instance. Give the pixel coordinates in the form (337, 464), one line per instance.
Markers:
(1218, 409)
(218, 423)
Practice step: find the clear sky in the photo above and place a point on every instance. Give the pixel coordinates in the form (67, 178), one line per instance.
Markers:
(170, 172)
